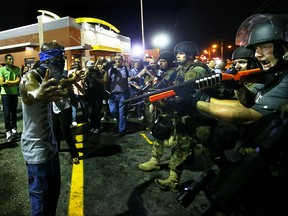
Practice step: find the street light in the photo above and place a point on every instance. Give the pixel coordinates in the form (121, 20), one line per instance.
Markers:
(208, 51)
(161, 40)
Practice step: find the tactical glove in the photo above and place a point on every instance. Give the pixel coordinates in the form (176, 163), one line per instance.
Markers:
(187, 104)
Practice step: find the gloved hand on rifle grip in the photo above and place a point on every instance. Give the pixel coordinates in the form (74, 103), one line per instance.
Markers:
(188, 103)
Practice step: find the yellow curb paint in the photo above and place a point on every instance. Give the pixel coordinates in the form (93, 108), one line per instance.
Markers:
(76, 204)
(146, 138)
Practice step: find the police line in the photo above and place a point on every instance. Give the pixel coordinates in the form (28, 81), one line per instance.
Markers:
(252, 75)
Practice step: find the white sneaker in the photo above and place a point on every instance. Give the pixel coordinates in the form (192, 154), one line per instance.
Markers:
(74, 124)
(96, 131)
(141, 118)
(14, 131)
(92, 130)
(9, 136)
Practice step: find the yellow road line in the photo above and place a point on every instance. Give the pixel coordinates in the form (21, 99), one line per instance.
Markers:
(76, 203)
(146, 138)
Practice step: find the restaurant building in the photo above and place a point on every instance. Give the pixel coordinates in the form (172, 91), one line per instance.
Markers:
(83, 38)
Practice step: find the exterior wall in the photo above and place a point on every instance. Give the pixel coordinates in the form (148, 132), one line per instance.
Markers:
(20, 55)
(63, 37)
(67, 33)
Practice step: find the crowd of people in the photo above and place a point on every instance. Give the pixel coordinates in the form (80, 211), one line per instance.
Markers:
(215, 116)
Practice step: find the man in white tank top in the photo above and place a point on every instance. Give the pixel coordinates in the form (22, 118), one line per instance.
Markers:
(38, 88)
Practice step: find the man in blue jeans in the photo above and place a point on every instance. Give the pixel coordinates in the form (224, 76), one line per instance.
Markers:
(38, 88)
(117, 82)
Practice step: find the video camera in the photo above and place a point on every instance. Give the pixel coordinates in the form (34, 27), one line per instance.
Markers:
(249, 186)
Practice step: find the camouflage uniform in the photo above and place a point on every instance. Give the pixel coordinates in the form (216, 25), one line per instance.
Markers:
(158, 110)
(189, 128)
(184, 129)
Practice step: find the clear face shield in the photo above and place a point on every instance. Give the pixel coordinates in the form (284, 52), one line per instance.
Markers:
(245, 29)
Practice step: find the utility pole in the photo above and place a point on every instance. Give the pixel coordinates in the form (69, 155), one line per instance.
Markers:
(222, 49)
(40, 30)
(142, 28)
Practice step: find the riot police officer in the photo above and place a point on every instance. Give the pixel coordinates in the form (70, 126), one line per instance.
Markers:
(186, 128)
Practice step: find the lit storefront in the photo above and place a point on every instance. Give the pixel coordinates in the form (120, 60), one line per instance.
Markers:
(84, 39)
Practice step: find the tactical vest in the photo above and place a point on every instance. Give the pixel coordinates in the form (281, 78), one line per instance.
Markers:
(192, 71)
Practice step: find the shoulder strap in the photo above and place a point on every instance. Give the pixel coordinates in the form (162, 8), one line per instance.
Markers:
(127, 72)
(200, 64)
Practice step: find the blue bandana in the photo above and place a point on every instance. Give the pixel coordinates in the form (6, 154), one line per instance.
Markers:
(48, 54)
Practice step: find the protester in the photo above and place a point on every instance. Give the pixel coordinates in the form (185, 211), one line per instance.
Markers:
(117, 84)
(38, 88)
(95, 93)
(135, 86)
(79, 96)
(62, 118)
(10, 76)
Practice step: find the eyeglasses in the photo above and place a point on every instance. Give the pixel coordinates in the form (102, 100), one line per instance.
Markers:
(10, 59)
(120, 59)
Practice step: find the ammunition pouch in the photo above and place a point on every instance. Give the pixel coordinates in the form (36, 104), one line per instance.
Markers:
(161, 129)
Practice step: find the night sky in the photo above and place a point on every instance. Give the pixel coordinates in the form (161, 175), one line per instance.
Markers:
(204, 22)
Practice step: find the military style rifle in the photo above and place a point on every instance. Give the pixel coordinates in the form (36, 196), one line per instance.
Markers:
(251, 75)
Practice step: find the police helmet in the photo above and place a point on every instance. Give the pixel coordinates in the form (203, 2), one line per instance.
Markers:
(188, 47)
(168, 56)
(245, 53)
(242, 52)
(267, 32)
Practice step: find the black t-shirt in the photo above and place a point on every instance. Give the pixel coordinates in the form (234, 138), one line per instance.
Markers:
(93, 87)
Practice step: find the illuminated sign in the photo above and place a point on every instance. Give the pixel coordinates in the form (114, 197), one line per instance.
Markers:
(104, 31)
(99, 21)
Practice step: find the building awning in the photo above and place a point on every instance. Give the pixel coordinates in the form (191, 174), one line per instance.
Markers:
(85, 47)
(27, 44)
(106, 48)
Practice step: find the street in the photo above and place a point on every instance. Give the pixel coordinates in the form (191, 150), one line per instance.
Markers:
(107, 182)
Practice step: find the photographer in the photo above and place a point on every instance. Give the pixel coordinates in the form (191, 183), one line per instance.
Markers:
(79, 96)
(95, 94)
(149, 72)
(116, 81)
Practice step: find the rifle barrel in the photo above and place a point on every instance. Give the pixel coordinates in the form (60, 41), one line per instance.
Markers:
(198, 83)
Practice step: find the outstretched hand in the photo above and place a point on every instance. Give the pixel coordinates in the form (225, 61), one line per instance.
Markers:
(73, 78)
(49, 89)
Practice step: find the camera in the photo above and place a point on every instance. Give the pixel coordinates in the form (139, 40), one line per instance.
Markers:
(107, 65)
(250, 185)
(189, 193)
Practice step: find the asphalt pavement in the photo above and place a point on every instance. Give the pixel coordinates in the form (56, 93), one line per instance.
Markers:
(107, 182)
